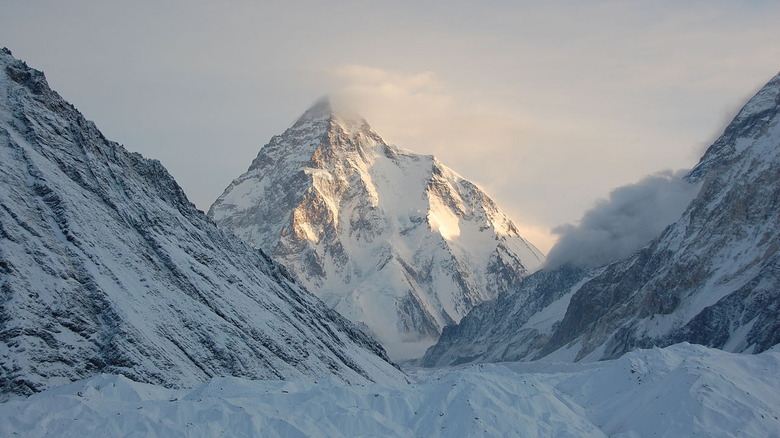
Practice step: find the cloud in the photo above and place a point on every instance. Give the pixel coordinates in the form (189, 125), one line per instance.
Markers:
(363, 76)
(629, 219)
(424, 113)
(420, 111)
(392, 101)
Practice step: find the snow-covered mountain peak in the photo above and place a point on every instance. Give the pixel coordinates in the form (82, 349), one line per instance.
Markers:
(324, 130)
(392, 239)
(767, 99)
(751, 123)
(17, 71)
(327, 117)
(337, 114)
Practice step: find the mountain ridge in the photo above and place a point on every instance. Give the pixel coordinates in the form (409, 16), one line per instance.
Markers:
(105, 266)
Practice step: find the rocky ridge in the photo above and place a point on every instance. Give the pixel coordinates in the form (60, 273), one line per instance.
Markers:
(106, 267)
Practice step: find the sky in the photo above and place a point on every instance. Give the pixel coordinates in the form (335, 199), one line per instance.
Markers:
(548, 106)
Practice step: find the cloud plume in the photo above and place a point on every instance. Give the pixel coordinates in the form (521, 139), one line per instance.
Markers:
(629, 219)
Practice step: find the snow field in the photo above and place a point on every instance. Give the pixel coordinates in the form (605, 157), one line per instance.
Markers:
(682, 390)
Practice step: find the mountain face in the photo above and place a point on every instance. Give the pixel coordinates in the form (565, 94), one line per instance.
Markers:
(712, 278)
(106, 267)
(514, 326)
(394, 241)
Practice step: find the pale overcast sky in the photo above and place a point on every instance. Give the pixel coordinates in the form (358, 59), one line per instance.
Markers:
(547, 105)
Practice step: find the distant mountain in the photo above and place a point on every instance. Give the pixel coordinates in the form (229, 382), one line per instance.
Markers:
(712, 278)
(393, 240)
(106, 267)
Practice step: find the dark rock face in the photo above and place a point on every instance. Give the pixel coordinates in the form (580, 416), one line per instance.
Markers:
(106, 267)
(711, 278)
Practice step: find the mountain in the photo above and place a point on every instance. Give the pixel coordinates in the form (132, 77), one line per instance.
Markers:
(711, 278)
(106, 267)
(393, 240)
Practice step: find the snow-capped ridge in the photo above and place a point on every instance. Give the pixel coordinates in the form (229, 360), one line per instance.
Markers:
(753, 119)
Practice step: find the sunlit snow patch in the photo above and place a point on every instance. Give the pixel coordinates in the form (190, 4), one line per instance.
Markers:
(443, 220)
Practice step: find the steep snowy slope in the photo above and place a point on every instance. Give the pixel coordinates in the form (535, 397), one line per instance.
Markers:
(711, 278)
(390, 239)
(105, 266)
(512, 327)
(679, 391)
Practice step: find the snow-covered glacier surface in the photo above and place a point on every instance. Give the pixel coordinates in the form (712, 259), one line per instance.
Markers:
(393, 240)
(682, 390)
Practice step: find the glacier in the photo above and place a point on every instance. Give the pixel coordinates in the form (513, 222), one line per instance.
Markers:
(681, 390)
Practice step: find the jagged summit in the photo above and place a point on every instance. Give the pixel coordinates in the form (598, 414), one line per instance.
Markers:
(322, 109)
(348, 131)
(393, 240)
(327, 108)
(333, 116)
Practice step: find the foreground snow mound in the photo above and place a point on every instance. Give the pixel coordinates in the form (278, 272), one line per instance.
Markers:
(105, 266)
(711, 278)
(393, 240)
(682, 390)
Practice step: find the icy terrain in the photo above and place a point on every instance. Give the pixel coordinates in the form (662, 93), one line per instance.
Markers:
(393, 240)
(678, 391)
(106, 267)
(711, 278)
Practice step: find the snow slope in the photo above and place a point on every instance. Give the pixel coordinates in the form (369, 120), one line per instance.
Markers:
(514, 326)
(393, 240)
(106, 267)
(711, 278)
(683, 390)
